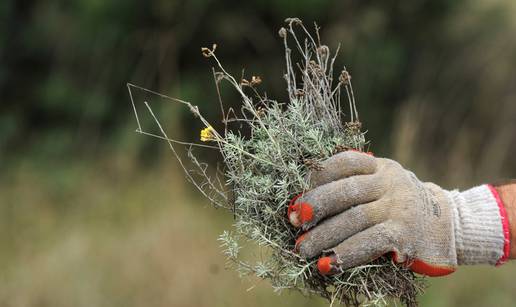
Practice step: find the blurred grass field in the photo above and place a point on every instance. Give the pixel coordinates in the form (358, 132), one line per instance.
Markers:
(107, 234)
(93, 214)
(117, 236)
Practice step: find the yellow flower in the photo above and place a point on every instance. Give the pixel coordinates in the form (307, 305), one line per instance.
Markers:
(208, 134)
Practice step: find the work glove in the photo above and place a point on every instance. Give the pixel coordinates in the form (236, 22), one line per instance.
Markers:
(360, 207)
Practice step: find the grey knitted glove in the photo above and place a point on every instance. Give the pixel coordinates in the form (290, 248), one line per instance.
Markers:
(361, 207)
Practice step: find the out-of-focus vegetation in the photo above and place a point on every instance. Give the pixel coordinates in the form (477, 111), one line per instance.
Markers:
(92, 214)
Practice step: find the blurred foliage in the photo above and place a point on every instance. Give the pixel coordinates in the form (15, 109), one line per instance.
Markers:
(435, 89)
(67, 62)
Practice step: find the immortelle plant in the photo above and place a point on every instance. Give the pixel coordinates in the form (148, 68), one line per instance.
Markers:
(267, 161)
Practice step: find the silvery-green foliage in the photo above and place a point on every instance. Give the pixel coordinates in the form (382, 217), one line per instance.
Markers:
(268, 168)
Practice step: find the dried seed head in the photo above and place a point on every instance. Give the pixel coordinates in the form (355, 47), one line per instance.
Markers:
(324, 53)
(323, 50)
(282, 32)
(345, 77)
(354, 127)
(207, 52)
(260, 112)
(315, 68)
(255, 80)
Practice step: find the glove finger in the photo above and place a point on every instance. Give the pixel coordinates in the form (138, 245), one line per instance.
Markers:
(341, 165)
(332, 198)
(338, 228)
(359, 249)
(432, 270)
(423, 267)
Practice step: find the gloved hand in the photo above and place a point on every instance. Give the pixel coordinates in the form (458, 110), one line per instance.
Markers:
(361, 207)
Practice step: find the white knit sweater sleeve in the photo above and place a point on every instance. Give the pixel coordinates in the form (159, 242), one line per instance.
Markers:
(480, 226)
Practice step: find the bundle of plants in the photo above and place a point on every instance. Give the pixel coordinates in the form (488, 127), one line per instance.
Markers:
(268, 150)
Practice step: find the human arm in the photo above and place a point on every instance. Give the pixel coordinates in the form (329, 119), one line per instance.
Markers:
(507, 193)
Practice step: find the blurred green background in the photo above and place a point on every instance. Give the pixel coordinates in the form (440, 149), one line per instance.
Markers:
(93, 214)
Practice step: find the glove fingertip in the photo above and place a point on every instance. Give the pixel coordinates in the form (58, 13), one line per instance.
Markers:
(299, 240)
(423, 268)
(324, 265)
